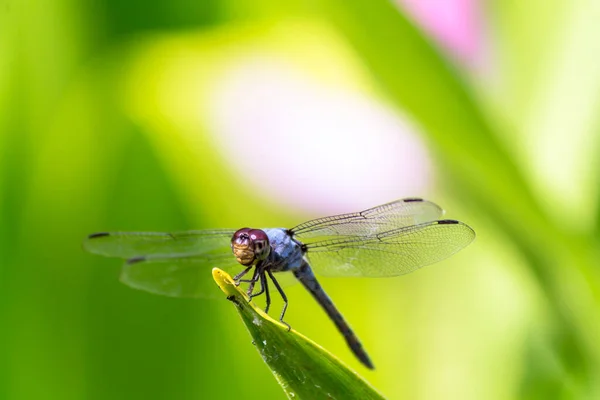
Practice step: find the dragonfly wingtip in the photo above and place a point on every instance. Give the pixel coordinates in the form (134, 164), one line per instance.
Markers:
(448, 222)
(412, 200)
(98, 235)
(135, 260)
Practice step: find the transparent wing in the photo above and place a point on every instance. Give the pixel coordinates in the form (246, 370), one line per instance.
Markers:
(131, 244)
(371, 222)
(392, 253)
(178, 275)
(185, 275)
(175, 264)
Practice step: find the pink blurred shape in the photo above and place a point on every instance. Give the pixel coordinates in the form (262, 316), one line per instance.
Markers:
(455, 24)
(313, 147)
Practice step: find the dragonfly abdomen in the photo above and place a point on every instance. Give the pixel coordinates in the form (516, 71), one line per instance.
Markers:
(305, 275)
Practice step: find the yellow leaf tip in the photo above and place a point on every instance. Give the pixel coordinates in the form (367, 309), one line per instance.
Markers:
(224, 281)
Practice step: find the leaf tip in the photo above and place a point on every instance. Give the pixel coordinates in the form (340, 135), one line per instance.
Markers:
(225, 282)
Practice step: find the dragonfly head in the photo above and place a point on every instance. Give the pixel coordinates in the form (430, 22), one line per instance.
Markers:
(250, 246)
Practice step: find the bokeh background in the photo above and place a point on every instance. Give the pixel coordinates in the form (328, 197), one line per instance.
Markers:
(178, 115)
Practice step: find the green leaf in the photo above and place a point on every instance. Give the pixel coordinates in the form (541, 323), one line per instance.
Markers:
(304, 369)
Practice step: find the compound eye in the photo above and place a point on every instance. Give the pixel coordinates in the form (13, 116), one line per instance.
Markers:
(241, 235)
(262, 248)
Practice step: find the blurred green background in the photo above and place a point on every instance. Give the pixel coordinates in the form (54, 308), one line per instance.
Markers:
(127, 116)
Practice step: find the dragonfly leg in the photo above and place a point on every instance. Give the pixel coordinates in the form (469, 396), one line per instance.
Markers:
(252, 282)
(264, 288)
(283, 296)
(259, 275)
(265, 284)
(238, 277)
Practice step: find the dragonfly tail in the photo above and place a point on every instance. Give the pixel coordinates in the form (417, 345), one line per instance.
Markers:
(305, 275)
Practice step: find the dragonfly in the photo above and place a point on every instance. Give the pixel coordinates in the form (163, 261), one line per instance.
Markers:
(385, 241)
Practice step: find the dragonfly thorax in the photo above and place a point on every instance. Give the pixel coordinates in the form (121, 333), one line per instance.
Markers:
(250, 246)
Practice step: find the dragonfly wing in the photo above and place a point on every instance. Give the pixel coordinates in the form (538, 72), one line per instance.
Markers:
(392, 253)
(175, 264)
(371, 222)
(183, 275)
(178, 275)
(131, 244)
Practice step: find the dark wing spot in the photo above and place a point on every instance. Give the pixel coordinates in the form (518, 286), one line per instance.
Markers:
(135, 260)
(412, 199)
(97, 235)
(447, 222)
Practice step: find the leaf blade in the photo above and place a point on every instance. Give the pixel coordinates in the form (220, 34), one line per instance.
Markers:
(304, 369)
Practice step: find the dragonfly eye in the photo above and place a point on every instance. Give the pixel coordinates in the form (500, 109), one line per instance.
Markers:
(261, 244)
(250, 245)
